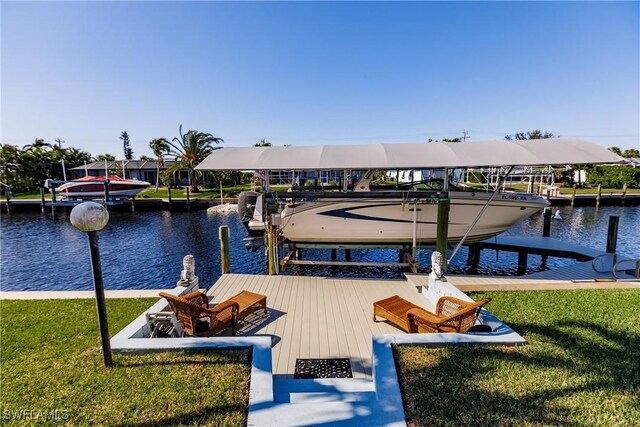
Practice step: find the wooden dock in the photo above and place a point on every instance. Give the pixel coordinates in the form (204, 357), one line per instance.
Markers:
(577, 276)
(315, 317)
(531, 245)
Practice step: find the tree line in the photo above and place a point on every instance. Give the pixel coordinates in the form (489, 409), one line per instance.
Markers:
(26, 168)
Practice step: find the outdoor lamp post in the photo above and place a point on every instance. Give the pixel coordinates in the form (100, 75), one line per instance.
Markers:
(92, 217)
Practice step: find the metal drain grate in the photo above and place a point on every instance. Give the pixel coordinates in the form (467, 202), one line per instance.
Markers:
(322, 368)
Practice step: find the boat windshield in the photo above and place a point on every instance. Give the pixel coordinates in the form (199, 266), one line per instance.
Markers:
(433, 184)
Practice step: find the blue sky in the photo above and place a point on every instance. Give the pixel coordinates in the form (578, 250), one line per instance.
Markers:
(314, 73)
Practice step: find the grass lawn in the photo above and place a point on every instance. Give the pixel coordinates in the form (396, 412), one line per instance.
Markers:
(50, 361)
(581, 366)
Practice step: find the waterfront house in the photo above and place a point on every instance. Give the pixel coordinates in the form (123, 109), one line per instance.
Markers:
(143, 170)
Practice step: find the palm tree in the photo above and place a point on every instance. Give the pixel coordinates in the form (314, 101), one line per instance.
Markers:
(190, 149)
(160, 146)
(38, 144)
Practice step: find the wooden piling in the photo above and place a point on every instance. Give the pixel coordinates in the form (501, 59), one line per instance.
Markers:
(473, 259)
(624, 193)
(271, 256)
(225, 262)
(442, 237)
(53, 199)
(347, 254)
(546, 227)
(522, 263)
(133, 204)
(42, 205)
(573, 195)
(106, 192)
(334, 254)
(8, 199)
(599, 195)
(612, 234)
(188, 200)
(169, 196)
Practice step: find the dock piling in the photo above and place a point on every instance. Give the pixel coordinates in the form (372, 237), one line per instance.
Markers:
(53, 200)
(599, 195)
(612, 234)
(133, 204)
(7, 195)
(106, 193)
(473, 258)
(442, 236)
(546, 227)
(42, 205)
(225, 263)
(522, 263)
(271, 252)
(188, 200)
(169, 196)
(624, 192)
(573, 195)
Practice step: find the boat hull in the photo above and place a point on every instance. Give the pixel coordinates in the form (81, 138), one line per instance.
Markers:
(96, 189)
(386, 221)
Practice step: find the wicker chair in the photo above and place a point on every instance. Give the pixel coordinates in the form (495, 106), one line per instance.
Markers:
(199, 319)
(452, 314)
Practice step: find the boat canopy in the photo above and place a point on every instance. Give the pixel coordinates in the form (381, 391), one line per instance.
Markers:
(539, 152)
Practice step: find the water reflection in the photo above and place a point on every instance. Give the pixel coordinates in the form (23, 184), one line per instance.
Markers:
(145, 250)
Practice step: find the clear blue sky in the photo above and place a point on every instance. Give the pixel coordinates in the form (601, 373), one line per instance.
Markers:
(314, 73)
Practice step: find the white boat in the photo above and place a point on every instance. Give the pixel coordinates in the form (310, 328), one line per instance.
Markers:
(89, 187)
(391, 220)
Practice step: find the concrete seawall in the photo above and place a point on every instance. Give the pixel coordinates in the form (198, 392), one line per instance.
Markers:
(140, 205)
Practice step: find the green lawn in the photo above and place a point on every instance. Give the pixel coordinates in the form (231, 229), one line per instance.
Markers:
(50, 361)
(581, 366)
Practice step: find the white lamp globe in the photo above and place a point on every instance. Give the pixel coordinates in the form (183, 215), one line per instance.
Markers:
(89, 216)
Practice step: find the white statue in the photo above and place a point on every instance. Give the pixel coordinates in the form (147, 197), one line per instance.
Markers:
(188, 274)
(436, 265)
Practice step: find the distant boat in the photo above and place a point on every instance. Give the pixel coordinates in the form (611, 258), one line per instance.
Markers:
(89, 187)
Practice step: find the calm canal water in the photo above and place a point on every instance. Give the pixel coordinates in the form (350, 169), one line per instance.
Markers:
(145, 250)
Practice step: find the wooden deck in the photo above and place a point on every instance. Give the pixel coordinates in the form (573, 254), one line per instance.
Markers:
(315, 317)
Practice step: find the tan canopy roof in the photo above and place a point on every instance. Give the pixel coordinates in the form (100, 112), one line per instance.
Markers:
(551, 151)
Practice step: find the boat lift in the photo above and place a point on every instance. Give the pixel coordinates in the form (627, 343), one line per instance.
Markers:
(493, 154)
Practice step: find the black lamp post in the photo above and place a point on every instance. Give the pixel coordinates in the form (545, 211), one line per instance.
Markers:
(92, 217)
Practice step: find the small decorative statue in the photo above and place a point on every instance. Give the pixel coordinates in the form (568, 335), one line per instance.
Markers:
(188, 275)
(435, 287)
(436, 265)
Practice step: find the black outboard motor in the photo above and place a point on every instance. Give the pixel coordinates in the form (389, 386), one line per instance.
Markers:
(246, 207)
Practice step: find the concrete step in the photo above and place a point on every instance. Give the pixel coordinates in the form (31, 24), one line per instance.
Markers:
(319, 397)
(324, 385)
(345, 414)
(323, 390)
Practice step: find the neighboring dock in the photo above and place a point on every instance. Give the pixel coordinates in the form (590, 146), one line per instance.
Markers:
(138, 204)
(578, 276)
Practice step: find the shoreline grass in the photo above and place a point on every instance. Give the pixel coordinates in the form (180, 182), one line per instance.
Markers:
(50, 363)
(581, 365)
